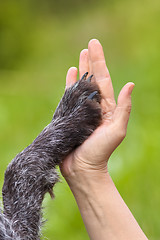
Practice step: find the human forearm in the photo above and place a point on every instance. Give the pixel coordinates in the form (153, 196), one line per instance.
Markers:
(105, 214)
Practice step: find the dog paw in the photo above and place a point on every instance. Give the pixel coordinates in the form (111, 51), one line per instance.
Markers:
(82, 92)
(80, 109)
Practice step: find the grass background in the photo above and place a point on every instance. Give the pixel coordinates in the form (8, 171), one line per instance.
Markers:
(39, 41)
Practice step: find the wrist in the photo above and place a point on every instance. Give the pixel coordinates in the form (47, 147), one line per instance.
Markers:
(86, 182)
(76, 170)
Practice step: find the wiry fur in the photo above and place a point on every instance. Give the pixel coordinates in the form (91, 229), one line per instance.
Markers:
(32, 172)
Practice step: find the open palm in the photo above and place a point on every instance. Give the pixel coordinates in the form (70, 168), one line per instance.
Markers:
(94, 153)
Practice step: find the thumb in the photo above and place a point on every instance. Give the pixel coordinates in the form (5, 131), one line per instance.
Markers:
(123, 109)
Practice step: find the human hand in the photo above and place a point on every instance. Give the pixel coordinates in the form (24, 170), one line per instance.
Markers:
(94, 153)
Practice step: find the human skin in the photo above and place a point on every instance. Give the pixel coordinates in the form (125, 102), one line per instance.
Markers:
(105, 214)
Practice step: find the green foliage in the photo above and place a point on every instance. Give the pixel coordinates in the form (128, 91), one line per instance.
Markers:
(39, 41)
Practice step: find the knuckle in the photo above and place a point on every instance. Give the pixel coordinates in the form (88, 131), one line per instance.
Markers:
(128, 108)
(122, 133)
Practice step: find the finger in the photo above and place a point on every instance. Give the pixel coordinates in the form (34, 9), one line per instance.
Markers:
(90, 64)
(83, 62)
(123, 108)
(99, 69)
(71, 77)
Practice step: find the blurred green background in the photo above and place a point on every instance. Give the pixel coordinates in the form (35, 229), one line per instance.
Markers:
(39, 41)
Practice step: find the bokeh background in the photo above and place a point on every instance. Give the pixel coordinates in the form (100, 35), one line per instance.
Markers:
(39, 41)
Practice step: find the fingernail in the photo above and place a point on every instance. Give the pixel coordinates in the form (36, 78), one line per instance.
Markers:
(131, 88)
(72, 68)
(93, 40)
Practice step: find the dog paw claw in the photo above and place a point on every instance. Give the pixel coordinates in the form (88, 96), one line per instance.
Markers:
(89, 78)
(91, 96)
(84, 76)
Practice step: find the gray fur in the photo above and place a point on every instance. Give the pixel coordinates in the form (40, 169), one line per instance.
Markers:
(32, 172)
